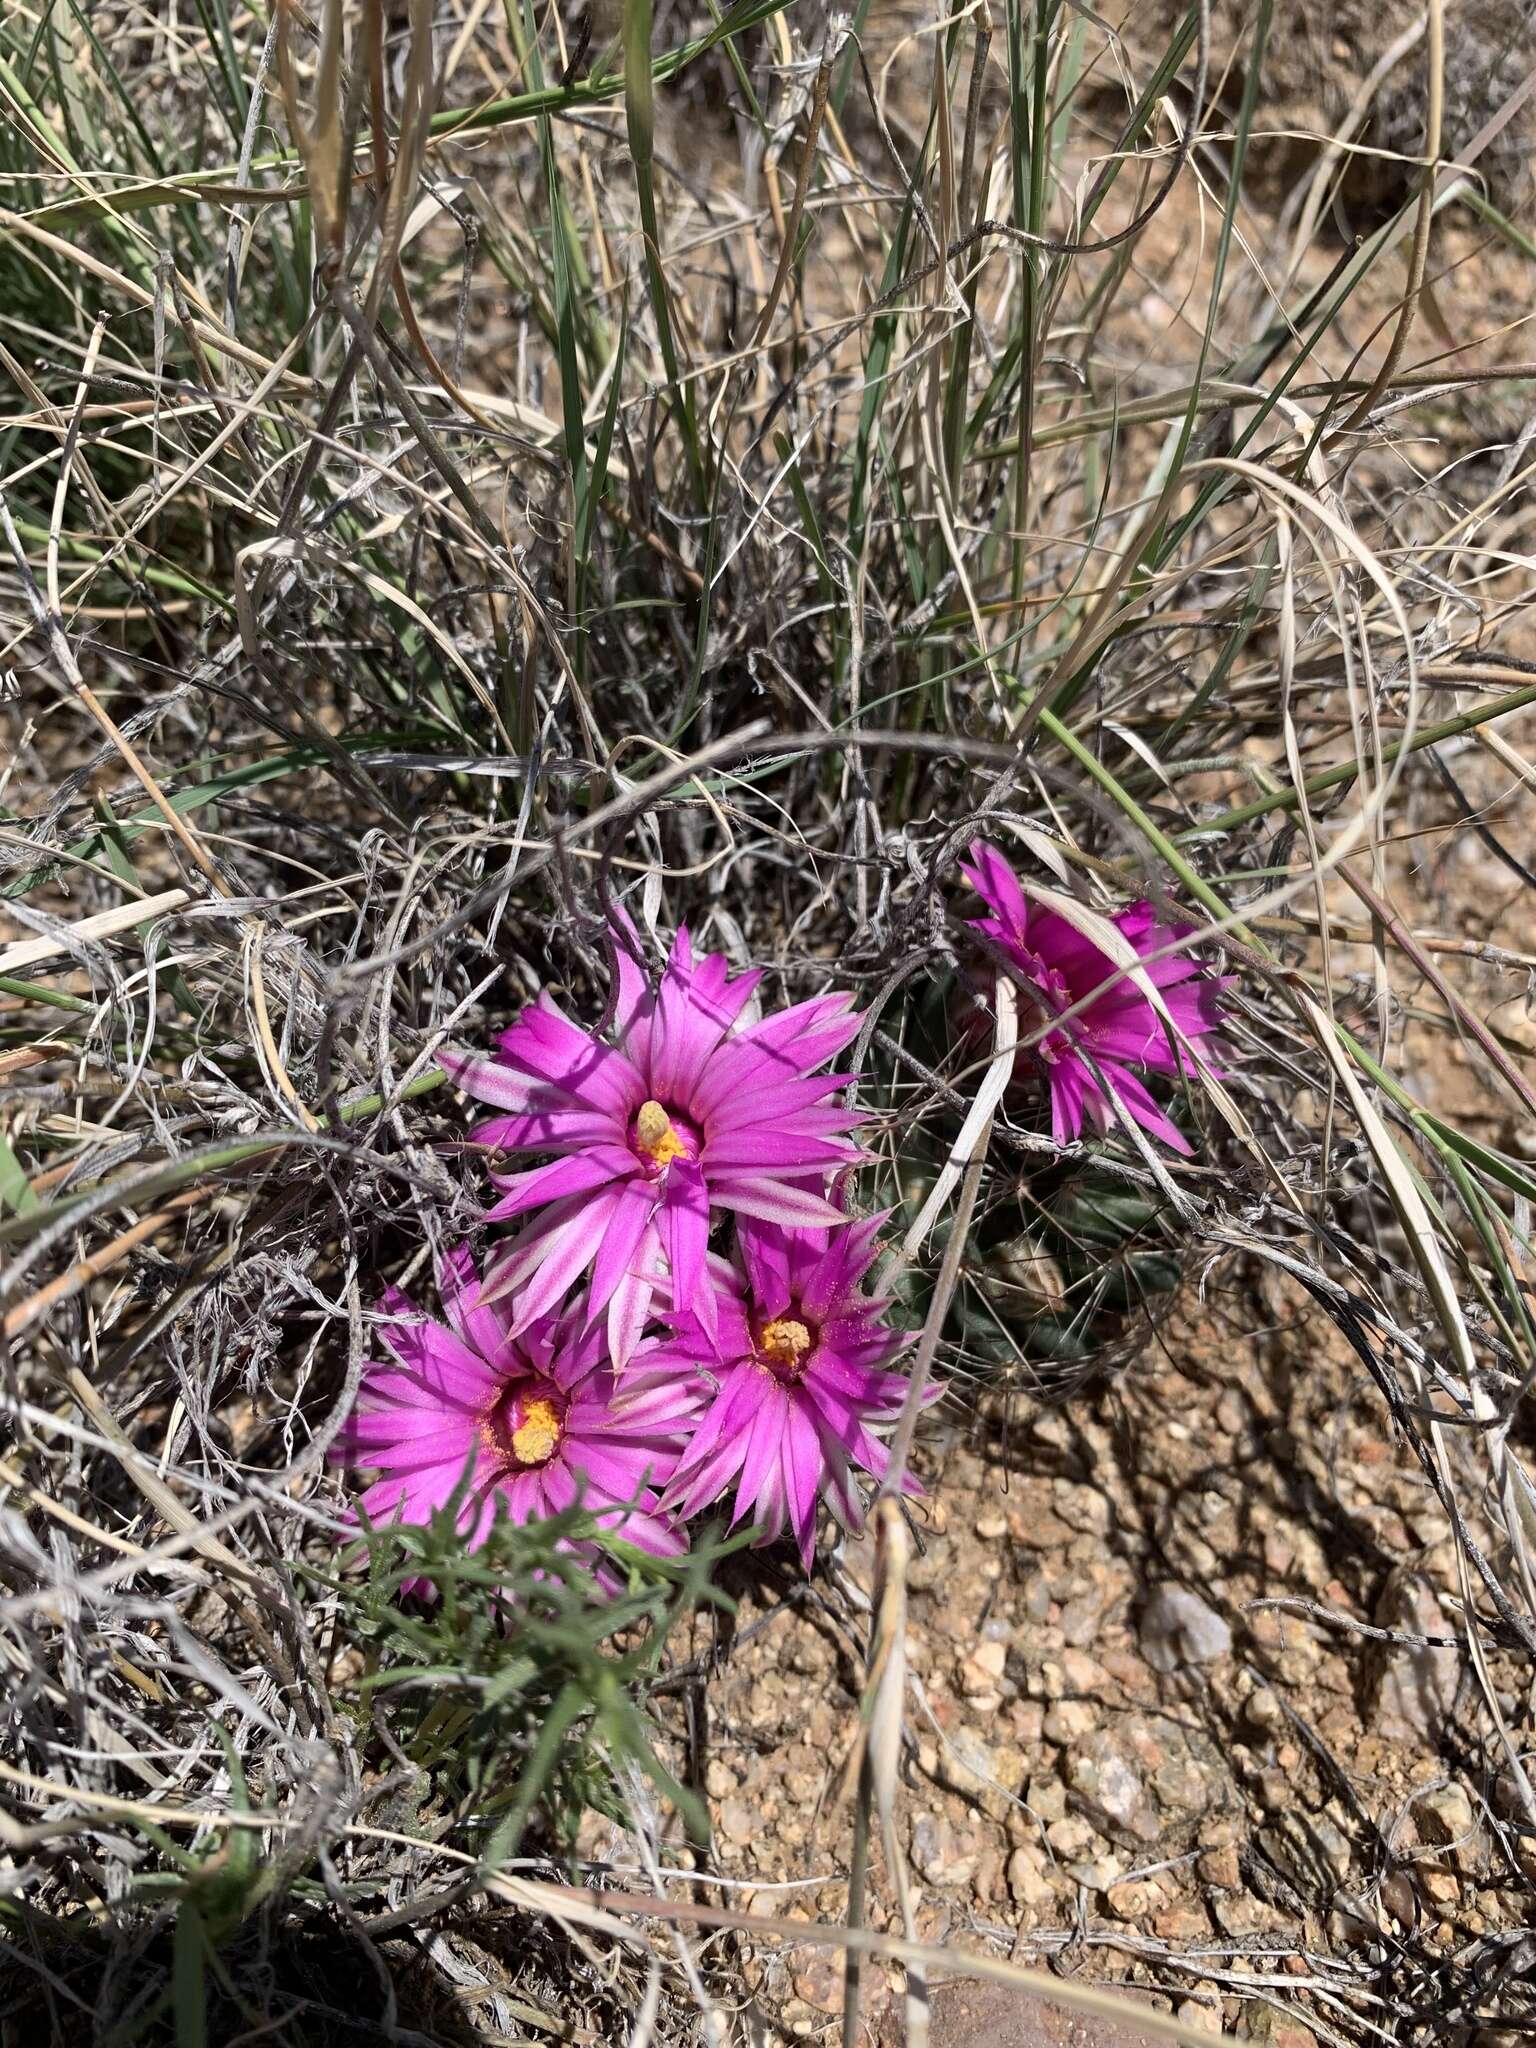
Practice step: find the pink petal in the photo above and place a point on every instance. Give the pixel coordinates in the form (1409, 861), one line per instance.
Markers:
(483, 1327)
(803, 1468)
(765, 1148)
(998, 886)
(412, 1500)
(562, 1251)
(623, 1474)
(836, 1274)
(440, 1358)
(683, 1220)
(774, 1201)
(763, 1439)
(633, 1208)
(576, 1174)
(1139, 1104)
(576, 1358)
(1072, 1089)
(489, 1080)
(521, 1495)
(838, 1488)
(632, 1003)
(694, 1010)
(559, 1126)
(387, 1451)
(560, 1487)
(763, 1249)
(658, 1535)
(770, 1505)
(547, 1044)
(629, 1309)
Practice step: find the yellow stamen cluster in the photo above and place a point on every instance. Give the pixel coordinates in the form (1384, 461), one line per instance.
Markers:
(785, 1342)
(655, 1137)
(537, 1434)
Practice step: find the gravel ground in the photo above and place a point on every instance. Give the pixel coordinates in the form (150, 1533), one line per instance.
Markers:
(1121, 1758)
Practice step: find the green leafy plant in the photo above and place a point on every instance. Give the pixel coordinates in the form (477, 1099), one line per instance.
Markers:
(512, 1689)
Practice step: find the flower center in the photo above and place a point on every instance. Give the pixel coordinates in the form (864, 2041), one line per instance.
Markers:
(784, 1346)
(1055, 995)
(657, 1139)
(527, 1424)
(535, 1437)
(1042, 1008)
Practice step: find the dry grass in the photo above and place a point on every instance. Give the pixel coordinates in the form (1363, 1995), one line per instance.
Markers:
(722, 494)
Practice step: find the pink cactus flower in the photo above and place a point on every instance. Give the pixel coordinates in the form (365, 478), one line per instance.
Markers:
(800, 1357)
(1118, 1030)
(682, 1111)
(531, 1423)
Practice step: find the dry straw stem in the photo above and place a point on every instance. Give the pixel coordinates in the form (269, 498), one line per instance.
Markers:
(101, 924)
(876, 1762)
(790, 231)
(602, 1912)
(1418, 259)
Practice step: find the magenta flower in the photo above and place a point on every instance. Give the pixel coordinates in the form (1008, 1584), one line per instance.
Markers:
(1118, 1030)
(800, 1357)
(684, 1112)
(531, 1424)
